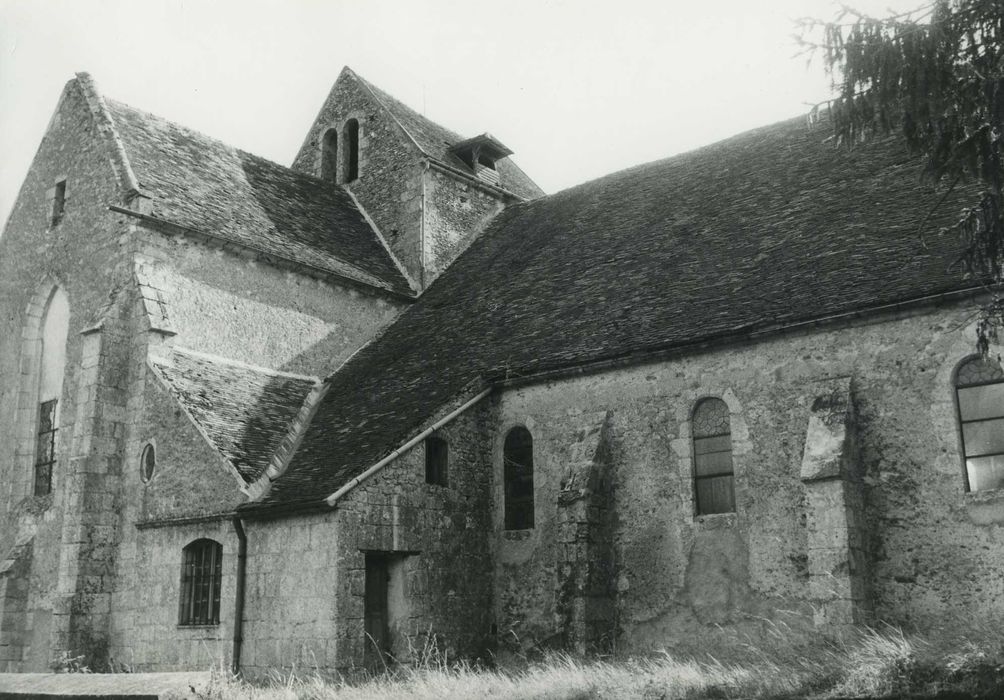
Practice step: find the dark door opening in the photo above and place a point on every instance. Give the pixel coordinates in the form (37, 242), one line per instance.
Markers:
(377, 610)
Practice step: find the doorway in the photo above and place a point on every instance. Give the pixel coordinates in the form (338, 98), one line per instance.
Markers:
(385, 607)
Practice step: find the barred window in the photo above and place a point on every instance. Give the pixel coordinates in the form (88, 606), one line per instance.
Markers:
(437, 453)
(52, 362)
(979, 390)
(517, 457)
(45, 446)
(201, 576)
(714, 490)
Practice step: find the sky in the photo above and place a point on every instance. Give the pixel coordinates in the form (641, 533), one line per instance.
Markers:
(577, 88)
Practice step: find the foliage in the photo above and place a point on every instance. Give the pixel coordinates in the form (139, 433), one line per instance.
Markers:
(936, 75)
(70, 664)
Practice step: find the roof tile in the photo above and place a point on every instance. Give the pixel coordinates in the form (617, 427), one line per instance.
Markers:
(771, 227)
(245, 412)
(201, 183)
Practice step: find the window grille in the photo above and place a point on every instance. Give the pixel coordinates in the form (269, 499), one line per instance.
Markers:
(45, 446)
(979, 390)
(517, 457)
(201, 576)
(714, 488)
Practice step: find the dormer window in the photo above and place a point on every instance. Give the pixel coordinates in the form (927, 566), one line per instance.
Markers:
(480, 155)
(486, 162)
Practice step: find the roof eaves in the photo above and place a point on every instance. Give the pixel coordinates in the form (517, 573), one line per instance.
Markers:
(474, 180)
(172, 227)
(589, 365)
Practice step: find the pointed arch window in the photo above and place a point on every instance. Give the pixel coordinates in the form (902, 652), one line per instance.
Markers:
(517, 459)
(329, 156)
(55, 328)
(979, 393)
(351, 135)
(714, 487)
(201, 580)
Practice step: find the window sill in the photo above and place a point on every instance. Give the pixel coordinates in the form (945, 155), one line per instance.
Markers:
(715, 521)
(985, 507)
(984, 496)
(36, 504)
(199, 627)
(517, 535)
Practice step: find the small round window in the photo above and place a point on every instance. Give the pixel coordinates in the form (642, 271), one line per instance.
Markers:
(147, 463)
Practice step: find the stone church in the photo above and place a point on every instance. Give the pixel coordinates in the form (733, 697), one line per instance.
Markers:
(393, 396)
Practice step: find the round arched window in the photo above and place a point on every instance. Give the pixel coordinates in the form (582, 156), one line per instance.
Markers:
(147, 463)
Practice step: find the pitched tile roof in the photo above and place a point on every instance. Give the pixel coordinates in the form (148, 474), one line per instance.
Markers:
(436, 140)
(245, 412)
(770, 227)
(204, 184)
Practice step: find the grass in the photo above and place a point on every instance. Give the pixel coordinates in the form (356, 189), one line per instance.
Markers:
(774, 661)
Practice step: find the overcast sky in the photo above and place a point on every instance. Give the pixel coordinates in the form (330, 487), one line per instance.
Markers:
(577, 89)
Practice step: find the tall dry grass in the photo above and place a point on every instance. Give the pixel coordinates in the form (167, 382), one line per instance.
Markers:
(774, 661)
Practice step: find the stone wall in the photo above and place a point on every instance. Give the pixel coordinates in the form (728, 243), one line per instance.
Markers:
(86, 253)
(426, 216)
(931, 551)
(390, 167)
(236, 307)
(145, 634)
(456, 211)
(306, 575)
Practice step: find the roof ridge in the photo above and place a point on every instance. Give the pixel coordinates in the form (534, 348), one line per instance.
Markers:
(665, 160)
(203, 134)
(283, 454)
(373, 90)
(219, 359)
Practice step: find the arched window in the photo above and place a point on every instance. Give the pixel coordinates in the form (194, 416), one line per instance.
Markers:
(979, 389)
(714, 490)
(351, 135)
(147, 462)
(517, 459)
(437, 457)
(55, 328)
(329, 155)
(201, 576)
